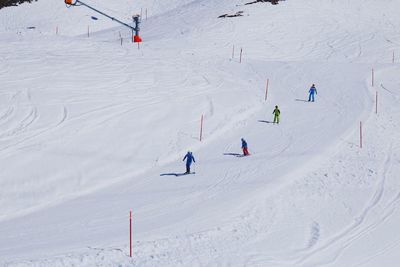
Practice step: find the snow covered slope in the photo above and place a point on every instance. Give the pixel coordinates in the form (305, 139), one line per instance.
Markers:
(90, 129)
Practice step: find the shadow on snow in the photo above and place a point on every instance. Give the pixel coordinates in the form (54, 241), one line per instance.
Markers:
(173, 174)
(234, 154)
(176, 174)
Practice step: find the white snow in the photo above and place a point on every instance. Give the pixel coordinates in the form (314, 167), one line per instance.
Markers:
(91, 129)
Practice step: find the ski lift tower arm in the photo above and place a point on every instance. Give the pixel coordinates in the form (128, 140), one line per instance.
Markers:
(80, 3)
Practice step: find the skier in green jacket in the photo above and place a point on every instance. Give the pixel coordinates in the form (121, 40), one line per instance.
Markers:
(276, 112)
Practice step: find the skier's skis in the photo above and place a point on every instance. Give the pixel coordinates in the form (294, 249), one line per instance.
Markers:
(185, 173)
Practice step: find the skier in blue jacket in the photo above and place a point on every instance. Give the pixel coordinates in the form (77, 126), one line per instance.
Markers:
(312, 92)
(244, 147)
(189, 159)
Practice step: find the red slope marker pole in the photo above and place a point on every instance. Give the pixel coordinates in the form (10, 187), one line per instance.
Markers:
(130, 233)
(361, 134)
(201, 127)
(266, 90)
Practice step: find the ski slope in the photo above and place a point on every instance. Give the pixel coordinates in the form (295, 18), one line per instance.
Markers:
(90, 129)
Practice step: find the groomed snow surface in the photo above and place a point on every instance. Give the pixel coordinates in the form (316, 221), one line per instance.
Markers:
(91, 129)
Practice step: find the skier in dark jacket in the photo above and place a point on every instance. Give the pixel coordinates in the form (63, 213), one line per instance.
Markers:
(276, 113)
(244, 147)
(189, 159)
(312, 92)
